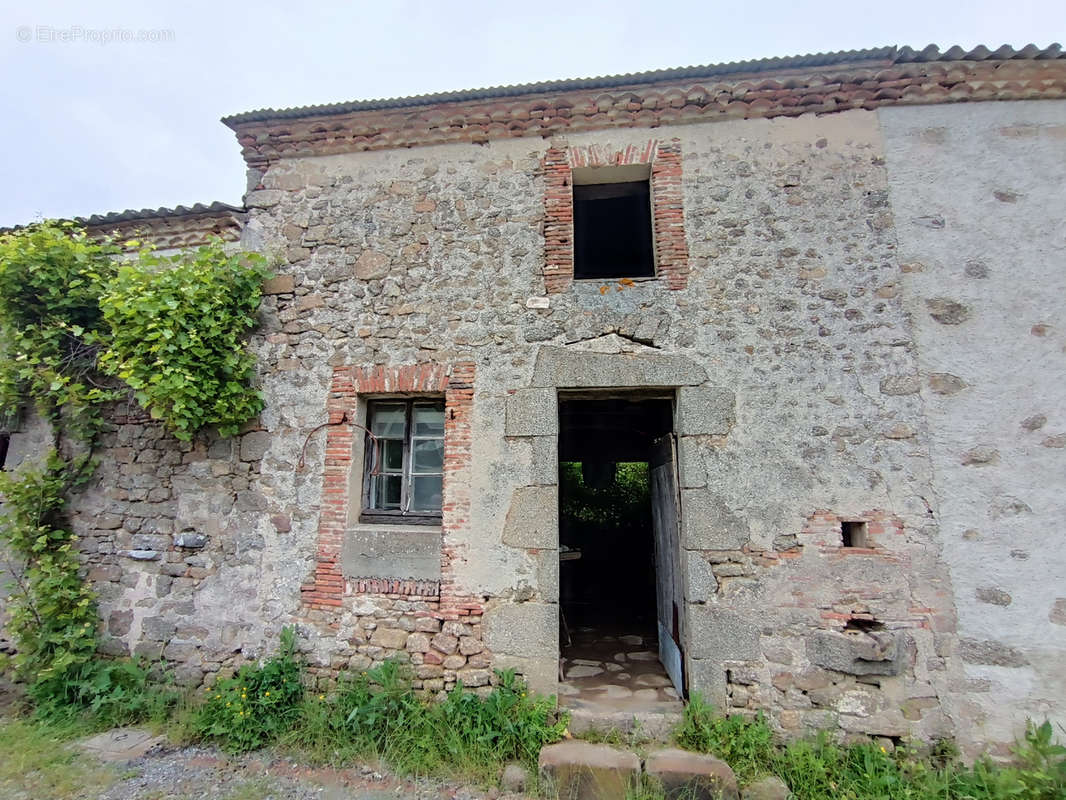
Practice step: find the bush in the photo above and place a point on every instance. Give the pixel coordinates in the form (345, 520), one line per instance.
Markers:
(173, 328)
(51, 327)
(255, 706)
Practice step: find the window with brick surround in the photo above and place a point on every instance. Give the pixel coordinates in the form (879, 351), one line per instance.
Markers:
(570, 176)
(404, 461)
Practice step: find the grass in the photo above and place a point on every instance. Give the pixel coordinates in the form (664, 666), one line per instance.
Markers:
(36, 762)
(821, 769)
(377, 716)
(371, 717)
(255, 789)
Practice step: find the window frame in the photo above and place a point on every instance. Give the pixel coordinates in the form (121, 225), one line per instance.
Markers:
(398, 516)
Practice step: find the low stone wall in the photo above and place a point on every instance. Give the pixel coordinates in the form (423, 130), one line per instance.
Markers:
(403, 628)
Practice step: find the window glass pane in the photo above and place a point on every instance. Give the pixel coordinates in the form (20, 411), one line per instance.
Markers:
(386, 491)
(388, 420)
(426, 493)
(393, 457)
(428, 455)
(429, 419)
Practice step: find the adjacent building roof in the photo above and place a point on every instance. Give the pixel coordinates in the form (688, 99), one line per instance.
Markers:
(131, 215)
(147, 217)
(885, 56)
(182, 226)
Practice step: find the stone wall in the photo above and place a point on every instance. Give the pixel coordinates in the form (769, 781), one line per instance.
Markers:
(806, 353)
(432, 256)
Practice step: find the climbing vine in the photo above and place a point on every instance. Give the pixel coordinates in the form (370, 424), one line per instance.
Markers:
(51, 610)
(51, 326)
(83, 321)
(176, 336)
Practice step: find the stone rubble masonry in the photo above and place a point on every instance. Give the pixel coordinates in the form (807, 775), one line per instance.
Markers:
(404, 628)
(865, 627)
(668, 223)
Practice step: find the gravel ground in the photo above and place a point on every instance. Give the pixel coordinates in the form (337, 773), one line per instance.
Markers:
(195, 773)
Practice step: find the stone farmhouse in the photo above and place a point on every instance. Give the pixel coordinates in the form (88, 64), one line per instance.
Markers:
(800, 321)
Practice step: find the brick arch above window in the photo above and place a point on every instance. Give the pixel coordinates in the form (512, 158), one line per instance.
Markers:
(668, 219)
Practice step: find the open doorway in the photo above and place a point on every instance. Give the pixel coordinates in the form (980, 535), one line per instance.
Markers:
(619, 573)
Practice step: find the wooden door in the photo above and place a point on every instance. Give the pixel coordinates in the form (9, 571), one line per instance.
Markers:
(668, 589)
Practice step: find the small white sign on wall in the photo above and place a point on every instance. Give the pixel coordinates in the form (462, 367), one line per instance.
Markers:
(538, 302)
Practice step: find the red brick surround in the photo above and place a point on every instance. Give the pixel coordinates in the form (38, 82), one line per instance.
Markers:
(668, 220)
(455, 381)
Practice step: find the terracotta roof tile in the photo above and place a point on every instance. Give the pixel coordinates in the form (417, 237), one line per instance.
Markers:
(885, 55)
(131, 215)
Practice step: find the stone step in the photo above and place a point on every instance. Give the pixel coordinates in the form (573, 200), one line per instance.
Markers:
(692, 776)
(652, 725)
(577, 770)
(121, 745)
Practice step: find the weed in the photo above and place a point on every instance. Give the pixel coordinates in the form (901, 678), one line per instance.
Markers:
(821, 769)
(251, 709)
(611, 736)
(632, 739)
(746, 744)
(378, 715)
(645, 787)
(105, 694)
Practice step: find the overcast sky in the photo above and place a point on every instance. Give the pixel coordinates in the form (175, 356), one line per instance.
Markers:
(94, 125)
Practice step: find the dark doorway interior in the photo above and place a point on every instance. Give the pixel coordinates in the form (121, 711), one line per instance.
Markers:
(607, 552)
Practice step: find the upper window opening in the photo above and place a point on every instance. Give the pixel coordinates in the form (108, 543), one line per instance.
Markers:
(613, 229)
(404, 461)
